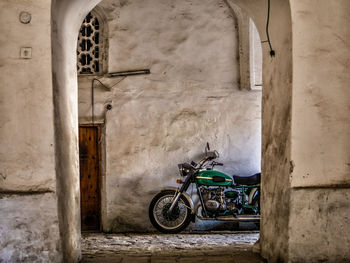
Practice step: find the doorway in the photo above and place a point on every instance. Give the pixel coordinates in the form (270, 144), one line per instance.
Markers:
(90, 176)
(276, 121)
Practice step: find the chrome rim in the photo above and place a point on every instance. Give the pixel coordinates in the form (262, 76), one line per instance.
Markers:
(175, 219)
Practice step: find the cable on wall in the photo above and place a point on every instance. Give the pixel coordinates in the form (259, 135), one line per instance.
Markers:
(93, 95)
(120, 74)
(272, 51)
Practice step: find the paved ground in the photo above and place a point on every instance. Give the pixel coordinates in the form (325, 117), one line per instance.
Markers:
(159, 248)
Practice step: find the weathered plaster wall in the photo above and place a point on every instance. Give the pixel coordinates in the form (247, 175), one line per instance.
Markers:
(26, 127)
(192, 96)
(313, 213)
(28, 203)
(29, 228)
(322, 99)
(319, 224)
(276, 120)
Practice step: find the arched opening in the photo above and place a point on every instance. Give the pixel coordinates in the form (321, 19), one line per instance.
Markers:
(92, 63)
(275, 117)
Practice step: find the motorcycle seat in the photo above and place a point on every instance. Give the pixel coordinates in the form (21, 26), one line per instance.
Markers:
(247, 180)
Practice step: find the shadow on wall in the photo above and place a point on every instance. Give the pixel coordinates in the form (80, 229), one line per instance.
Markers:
(192, 95)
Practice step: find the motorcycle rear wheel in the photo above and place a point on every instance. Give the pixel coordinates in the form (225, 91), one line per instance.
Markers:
(172, 223)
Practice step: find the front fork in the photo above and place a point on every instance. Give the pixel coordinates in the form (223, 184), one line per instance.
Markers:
(178, 194)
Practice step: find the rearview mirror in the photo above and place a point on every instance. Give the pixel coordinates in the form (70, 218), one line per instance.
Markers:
(206, 149)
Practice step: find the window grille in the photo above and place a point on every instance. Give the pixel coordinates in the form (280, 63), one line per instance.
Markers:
(89, 47)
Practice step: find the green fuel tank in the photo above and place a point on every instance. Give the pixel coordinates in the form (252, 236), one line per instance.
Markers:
(213, 178)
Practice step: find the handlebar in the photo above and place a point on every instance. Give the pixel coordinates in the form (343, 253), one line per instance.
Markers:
(194, 164)
(209, 156)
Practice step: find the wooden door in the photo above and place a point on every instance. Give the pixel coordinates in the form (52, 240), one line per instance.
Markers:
(89, 159)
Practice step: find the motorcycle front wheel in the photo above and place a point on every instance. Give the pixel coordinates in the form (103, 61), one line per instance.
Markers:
(173, 222)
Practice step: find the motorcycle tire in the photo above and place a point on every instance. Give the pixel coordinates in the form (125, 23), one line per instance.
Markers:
(174, 223)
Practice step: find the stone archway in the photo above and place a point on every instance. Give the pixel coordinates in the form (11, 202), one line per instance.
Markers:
(276, 110)
(66, 18)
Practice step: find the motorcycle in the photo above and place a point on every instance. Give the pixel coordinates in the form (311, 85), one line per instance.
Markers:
(221, 197)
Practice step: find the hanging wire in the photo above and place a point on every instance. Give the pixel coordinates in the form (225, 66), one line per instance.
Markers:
(272, 51)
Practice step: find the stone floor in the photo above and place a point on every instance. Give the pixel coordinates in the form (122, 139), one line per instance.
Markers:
(235, 247)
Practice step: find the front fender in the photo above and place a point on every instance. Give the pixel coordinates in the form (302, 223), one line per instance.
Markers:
(186, 195)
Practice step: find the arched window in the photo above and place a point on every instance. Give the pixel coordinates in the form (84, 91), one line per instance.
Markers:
(89, 50)
(250, 50)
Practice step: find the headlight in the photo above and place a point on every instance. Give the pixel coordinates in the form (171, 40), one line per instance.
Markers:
(184, 169)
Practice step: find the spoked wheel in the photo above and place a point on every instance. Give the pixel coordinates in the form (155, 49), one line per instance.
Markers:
(164, 221)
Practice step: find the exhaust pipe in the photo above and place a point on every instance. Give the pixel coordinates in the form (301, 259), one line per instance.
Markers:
(238, 218)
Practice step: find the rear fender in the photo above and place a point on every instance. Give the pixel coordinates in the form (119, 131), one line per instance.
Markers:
(252, 195)
(186, 195)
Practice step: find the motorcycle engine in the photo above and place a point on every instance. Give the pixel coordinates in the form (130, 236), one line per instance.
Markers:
(217, 200)
(212, 205)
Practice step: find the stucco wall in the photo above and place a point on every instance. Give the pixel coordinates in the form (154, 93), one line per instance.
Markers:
(319, 224)
(321, 93)
(26, 128)
(28, 203)
(29, 228)
(192, 96)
